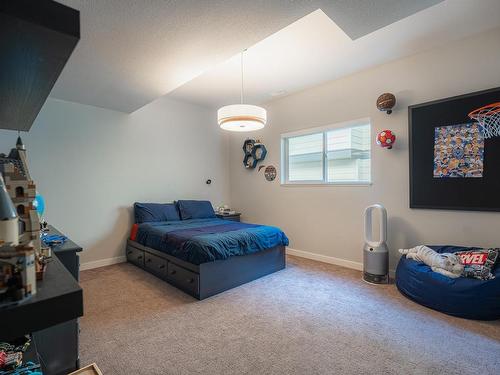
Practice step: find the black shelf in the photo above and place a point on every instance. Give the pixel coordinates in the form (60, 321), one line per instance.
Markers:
(67, 246)
(59, 299)
(67, 253)
(38, 37)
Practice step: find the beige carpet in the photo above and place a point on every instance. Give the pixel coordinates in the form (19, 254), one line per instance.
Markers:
(311, 318)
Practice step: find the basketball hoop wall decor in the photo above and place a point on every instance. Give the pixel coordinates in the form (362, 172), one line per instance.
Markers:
(488, 117)
(386, 102)
(455, 152)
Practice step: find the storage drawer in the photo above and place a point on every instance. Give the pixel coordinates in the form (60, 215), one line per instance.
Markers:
(135, 256)
(184, 279)
(155, 265)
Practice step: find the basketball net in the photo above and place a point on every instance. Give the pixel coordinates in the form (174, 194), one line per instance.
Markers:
(489, 118)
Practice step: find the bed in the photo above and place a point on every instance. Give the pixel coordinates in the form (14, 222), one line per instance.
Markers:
(184, 244)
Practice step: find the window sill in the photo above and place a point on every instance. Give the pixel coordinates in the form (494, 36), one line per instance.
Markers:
(347, 183)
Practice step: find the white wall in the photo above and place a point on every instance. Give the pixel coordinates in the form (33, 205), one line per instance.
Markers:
(92, 164)
(327, 220)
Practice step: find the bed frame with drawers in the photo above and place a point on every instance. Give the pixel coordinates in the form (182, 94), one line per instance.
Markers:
(205, 280)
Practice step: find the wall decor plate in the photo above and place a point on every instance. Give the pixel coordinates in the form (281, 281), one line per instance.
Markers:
(270, 173)
(454, 162)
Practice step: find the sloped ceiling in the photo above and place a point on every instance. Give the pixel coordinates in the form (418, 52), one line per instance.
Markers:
(315, 49)
(132, 52)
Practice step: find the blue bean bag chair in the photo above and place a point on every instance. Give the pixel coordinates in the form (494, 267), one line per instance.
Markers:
(462, 297)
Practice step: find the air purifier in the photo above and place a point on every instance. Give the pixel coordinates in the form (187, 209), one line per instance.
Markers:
(375, 252)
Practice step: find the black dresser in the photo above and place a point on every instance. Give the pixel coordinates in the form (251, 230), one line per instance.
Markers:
(231, 217)
(58, 345)
(51, 316)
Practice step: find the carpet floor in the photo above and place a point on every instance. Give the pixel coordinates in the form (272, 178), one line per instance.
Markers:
(311, 318)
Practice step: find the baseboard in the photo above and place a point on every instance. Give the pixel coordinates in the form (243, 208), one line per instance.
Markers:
(102, 262)
(299, 253)
(326, 259)
(331, 260)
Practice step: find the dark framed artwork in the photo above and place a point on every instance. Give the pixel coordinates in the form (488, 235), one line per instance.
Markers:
(454, 162)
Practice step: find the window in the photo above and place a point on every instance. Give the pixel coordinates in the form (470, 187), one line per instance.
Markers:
(20, 210)
(337, 154)
(19, 191)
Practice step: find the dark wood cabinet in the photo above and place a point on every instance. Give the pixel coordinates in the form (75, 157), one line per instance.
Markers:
(231, 217)
(58, 346)
(51, 316)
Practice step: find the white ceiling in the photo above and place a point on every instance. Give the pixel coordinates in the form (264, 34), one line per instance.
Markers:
(131, 52)
(315, 50)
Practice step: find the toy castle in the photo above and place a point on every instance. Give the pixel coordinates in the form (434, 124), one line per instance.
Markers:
(22, 191)
(20, 245)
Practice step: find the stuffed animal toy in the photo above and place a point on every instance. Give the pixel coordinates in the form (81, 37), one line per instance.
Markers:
(447, 264)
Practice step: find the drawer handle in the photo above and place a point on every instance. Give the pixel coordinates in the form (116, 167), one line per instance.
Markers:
(139, 257)
(173, 272)
(190, 281)
(161, 266)
(149, 260)
(129, 252)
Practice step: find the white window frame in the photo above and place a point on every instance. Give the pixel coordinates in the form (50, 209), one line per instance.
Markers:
(324, 130)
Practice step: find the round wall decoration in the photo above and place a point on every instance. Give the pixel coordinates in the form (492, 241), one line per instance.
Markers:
(270, 173)
(386, 102)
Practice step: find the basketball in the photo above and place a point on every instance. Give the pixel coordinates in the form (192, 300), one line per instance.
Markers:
(386, 139)
(386, 102)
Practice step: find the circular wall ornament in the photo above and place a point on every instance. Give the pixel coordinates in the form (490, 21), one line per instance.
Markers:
(270, 173)
(386, 102)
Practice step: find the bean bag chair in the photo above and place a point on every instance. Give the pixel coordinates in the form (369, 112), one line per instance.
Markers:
(462, 297)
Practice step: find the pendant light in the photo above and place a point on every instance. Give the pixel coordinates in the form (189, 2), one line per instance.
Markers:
(241, 117)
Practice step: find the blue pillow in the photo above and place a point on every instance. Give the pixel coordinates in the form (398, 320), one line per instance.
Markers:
(195, 209)
(153, 212)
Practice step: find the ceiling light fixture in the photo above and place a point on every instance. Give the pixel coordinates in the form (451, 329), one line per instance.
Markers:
(241, 117)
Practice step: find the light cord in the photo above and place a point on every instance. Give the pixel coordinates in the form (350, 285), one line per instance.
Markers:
(242, 96)
(241, 92)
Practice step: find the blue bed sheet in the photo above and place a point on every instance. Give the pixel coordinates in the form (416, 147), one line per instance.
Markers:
(206, 240)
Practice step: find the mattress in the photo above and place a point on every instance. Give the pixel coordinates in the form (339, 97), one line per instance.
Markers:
(206, 240)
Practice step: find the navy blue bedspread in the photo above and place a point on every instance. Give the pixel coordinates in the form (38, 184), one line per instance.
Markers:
(206, 240)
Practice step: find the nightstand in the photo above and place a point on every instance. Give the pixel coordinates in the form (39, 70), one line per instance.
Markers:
(232, 217)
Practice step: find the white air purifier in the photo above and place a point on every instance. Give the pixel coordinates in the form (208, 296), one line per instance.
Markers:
(375, 252)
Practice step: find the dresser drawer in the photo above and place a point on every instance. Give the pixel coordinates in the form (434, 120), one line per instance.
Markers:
(183, 278)
(155, 265)
(135, 256)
